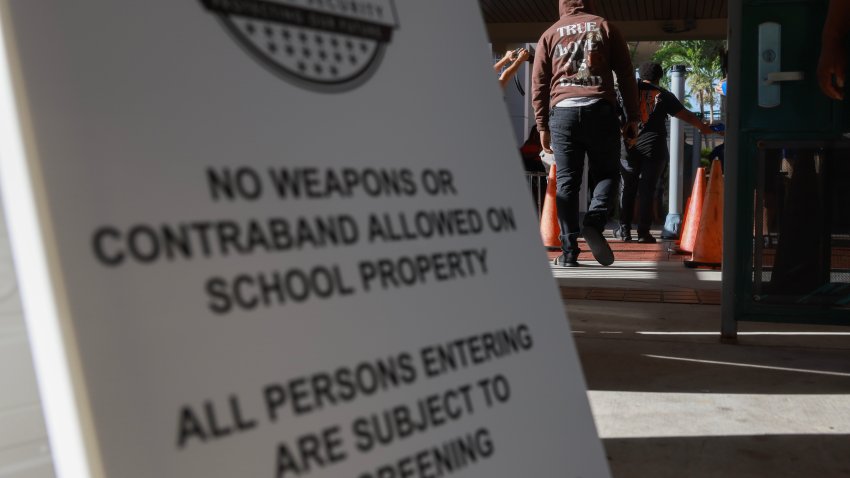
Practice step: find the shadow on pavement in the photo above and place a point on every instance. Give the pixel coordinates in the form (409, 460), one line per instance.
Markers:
(756, 456)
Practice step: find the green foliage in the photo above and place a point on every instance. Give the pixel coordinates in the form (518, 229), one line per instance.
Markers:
(702, 60)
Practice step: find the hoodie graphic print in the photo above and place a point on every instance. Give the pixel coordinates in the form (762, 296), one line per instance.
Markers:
(580, 43)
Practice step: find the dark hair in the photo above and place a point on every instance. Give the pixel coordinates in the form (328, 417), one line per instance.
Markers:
(650, 71)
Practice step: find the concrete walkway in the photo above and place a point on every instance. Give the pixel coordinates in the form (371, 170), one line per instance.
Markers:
(670, 400)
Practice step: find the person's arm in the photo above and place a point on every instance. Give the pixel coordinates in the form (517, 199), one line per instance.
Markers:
(621, 64)
(674, 107)
(541, 84)
(509, 55)
(833, 56)
(694, 121)
(510, 71)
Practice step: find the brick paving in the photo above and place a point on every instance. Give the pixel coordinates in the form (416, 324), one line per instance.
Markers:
(662, 251)
(635, 252)
(681, 296)
(840, 257)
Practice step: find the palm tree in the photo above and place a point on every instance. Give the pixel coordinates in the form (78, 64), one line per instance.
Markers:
(702, 60)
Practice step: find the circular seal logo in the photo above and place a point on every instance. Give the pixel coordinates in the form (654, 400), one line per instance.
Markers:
(324, 45)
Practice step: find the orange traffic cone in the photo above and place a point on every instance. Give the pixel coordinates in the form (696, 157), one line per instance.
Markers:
(693, 213)
(550, 231)
(708, 248)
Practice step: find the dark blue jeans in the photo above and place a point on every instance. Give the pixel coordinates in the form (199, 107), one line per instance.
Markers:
(585, 130)
(640, 169)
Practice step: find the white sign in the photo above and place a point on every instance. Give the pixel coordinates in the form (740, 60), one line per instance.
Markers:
(277, 239)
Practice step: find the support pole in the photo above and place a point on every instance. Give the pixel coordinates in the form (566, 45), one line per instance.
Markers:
(691, 165)
(673, 223)
(697, 151)
(737, 261)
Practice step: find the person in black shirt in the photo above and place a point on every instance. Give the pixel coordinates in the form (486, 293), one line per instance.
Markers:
(646, 158)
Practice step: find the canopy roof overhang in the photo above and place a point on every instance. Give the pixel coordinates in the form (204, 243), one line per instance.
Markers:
(523, 21)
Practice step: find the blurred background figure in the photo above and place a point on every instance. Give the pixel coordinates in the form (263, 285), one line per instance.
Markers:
(832, 65)
(514, 59)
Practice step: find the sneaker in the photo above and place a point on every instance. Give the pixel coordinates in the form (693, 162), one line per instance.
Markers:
(646, 239)
(623, 233)
(566, 260)
(598, 245)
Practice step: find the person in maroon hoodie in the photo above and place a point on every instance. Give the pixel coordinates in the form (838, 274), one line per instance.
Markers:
(576, 111)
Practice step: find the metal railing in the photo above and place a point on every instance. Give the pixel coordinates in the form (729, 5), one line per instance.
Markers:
(537, 182)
